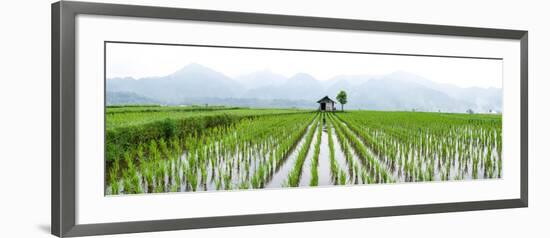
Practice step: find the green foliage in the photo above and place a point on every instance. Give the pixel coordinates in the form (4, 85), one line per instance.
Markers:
(128, 127)
(334, 168)
(314, 181)
(294, 175)
(243, 149)
(428, 146)
(342, 98)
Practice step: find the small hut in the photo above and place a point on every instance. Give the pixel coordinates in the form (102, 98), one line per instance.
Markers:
(326, 104)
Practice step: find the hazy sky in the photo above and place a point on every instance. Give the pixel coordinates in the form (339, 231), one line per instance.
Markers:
(134, 60)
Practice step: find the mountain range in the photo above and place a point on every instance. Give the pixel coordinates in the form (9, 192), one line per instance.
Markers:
(197, 84)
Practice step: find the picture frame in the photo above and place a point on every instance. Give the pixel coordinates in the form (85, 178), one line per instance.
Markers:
(64, 205)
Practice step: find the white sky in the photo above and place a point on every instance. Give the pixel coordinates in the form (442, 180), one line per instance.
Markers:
(136, 60)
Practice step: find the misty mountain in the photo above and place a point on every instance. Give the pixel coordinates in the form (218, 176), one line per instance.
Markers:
(345, 82)
(298, 87)
(128, 98)
(478, 99)
(192, 81)
(395, 94)
(301, 86)
(260, 79)
(252, 102)
(197, 84)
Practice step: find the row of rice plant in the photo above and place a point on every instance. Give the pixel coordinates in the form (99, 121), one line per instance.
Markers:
(127, 127)
(240, 155)
(314, 181)
(148, 173)
(293, 179)
(376, 169)
(280, 154)
(249, 150)
(244, 155)
(430, 146)
(360, 172)
(338, 175)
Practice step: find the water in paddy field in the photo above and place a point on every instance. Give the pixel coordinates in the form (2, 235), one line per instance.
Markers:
(281, 175)
(305, 177)
(325, 177)
(242, 167)
(324, 162)
(339, 154)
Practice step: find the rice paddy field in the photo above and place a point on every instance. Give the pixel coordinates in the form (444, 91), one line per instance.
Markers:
(158, 149)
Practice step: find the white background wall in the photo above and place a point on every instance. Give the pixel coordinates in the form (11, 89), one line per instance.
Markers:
(25, 120)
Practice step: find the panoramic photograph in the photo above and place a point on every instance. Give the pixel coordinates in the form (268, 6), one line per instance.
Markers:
(188, 118)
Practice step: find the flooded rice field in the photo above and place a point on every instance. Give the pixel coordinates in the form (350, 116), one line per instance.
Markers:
(313, 149)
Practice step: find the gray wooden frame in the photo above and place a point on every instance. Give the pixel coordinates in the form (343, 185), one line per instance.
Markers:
(63, 117)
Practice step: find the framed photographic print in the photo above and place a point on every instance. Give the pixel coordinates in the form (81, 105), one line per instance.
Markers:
(167, 118)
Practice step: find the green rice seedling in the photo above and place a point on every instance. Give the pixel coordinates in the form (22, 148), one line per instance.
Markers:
(160, 175)
(334, 168)
(154, 153)
(163, 147)
(379, 172)
(294, 175)
(114, 169)
(174, 187)
(314, 175)
(140, 152)
(176, 147)
(148, 173)
(244, 185)
(255, 182)
(475, 168)
(344, 145)
(258, 178)
(356, 171)
(177, 178)
(218, 183)
(458, 137)
(195, 132)
(354, 168)
(430, 171)
(227, 181)
(127, 184)
(115, 187)
(170, 170)
(251, 145)
(342, 177)
(489, 169)
(158, 189)
(314, 181)
(131, 180)
(113, 181)
(365, 178)
(128, 160)
(458, 177)
(136, 183)
(192, 181)
(283, 138)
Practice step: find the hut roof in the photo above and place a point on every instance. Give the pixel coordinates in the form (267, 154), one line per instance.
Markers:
(325, 99)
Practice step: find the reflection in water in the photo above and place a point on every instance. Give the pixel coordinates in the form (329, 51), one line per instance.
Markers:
(351, 145)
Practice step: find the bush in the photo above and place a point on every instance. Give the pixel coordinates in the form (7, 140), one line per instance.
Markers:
(128, 138)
